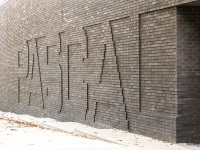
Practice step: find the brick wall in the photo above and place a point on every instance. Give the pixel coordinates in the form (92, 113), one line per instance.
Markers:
(188, 73)
(103, 63)
(158, 71)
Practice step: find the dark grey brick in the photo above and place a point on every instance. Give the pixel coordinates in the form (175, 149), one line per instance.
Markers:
(131, 65)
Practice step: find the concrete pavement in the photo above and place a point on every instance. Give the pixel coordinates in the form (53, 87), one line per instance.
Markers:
(123, 138)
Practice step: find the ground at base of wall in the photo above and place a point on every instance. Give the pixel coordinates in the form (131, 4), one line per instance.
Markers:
(27, 132)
